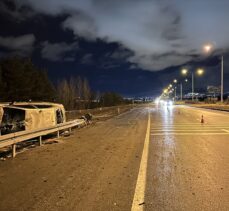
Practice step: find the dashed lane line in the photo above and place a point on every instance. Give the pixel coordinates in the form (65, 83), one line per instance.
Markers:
(201, 126)
(193, 129)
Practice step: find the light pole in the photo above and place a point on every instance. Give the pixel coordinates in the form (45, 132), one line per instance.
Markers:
(208, 48)
(175, 88)
(221, 79)
(199, 72)
(181, 88)
(184, 72)
(192, 85)
(175, 92)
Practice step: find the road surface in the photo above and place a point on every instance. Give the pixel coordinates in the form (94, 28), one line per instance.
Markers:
(150, 158)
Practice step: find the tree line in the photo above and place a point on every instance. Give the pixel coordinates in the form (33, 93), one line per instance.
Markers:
(21, 80)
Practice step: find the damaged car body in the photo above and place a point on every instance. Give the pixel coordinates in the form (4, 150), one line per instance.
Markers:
(30, 116)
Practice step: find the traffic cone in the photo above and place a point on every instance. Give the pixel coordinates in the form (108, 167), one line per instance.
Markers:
(202, 119)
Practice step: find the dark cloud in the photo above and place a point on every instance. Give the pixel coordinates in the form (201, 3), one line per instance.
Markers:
(147, 28)
(120, 54)
(15, 11)
(87, 59)
(21, 45)
(58, 51)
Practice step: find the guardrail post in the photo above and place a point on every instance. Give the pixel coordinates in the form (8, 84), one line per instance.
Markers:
(70, 130)
(40, 140)
(13, 150)
(58, 134)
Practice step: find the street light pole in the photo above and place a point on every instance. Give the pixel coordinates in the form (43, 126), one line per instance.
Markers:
(175, 93)
(222, 79)
(208, 48)
(181, 92)
(192, 85)
(199, 72)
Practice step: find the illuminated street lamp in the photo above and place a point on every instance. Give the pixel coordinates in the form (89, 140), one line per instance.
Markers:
(165, 91)
(184, 71)
(181, 88)
(208, 48)
(175, 88)
(198, 71)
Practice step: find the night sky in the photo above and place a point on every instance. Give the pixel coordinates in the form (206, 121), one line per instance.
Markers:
(134, 47)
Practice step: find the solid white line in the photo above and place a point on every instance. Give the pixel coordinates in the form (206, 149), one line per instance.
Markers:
(192, 134)
(189, 130)
(225, 130)
(187, 125)
(139, 195)
(181, 123)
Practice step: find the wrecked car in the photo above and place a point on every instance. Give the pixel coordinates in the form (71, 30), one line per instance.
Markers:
(17, 117)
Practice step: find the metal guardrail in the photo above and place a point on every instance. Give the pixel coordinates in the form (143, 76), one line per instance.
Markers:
(13, 138)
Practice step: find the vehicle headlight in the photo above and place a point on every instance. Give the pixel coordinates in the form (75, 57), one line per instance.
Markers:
(170, 103)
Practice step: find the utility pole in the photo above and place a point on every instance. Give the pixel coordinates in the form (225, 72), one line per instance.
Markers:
(192, 85)
(175, 92)
(222, 79)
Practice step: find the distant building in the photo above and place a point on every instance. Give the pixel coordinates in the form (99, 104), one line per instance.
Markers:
(213, 90)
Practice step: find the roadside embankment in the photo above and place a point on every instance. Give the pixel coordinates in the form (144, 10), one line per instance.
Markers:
(99, 113)
(219, 107)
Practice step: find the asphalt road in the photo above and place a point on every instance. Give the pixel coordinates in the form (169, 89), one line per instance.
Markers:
(150, 158)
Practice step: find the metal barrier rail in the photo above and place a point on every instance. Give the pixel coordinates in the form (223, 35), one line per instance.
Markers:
(14, 138)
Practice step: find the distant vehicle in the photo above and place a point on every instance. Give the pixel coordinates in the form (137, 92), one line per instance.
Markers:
(167, 102)
(17, 117)
(164, 102)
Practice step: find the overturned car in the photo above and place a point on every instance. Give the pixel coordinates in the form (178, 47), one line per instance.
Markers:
(17, 117)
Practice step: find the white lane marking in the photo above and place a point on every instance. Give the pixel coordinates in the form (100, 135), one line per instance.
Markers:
(184, 124)
(172, 125)
(175, 130)
(184, 134)
(225, 130)
(139, 195)
(189, 127)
